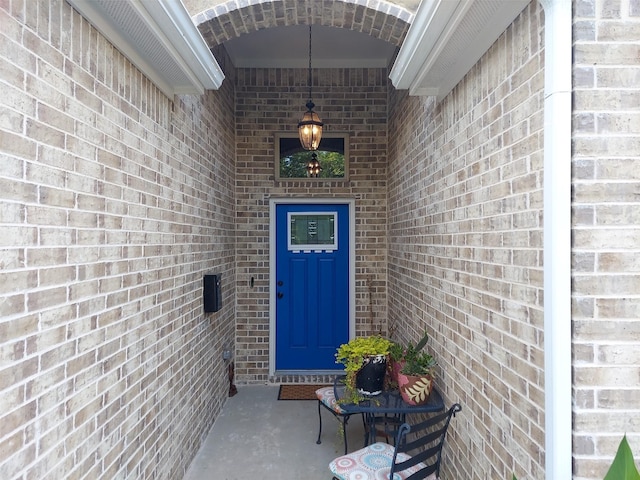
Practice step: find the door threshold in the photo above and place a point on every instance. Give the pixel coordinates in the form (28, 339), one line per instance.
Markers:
(281, 373)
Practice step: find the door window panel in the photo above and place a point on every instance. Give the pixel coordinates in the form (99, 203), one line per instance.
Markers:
(312, 231)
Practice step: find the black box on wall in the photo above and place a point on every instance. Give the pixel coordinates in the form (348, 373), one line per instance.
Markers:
(211, 293)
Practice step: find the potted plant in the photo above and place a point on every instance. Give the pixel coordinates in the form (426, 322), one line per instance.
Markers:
(398, 355)
(416, 377)
(396, 361)
(365, 362)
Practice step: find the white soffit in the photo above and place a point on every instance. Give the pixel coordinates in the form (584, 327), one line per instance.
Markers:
(288, 47)
(159, 37)
(446, 39)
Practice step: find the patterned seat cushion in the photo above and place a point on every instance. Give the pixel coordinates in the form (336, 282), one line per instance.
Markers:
(371, 463)
(327, 396)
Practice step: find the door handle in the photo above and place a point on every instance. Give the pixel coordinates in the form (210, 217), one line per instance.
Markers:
(280, 283)
(280, 294)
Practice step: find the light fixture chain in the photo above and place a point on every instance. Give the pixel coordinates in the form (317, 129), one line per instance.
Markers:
(310, 76)
(310, 127)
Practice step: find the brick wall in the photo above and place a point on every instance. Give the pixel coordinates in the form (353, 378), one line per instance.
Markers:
(606, 233)
(465, 250)
(114, 201)
(229, 19)
(272, 100)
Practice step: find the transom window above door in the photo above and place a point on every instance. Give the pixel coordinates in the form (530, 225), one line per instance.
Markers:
(291, 159)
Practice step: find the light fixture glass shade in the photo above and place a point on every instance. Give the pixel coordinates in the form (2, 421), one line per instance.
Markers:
(310, 128)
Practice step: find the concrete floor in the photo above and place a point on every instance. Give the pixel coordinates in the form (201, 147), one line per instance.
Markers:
(258, 436)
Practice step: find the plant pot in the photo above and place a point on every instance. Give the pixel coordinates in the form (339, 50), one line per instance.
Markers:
(396, 367)
(370, 377)
(415, 389)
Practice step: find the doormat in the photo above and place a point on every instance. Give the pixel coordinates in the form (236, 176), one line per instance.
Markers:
(303, 391)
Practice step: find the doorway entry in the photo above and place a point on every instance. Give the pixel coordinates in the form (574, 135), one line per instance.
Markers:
(312, 283)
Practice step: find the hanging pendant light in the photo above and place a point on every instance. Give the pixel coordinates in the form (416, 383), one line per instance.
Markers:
(310, 127)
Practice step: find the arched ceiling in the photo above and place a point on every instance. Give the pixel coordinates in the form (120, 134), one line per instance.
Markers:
(173, 47)
(197, 6)
(346, 33)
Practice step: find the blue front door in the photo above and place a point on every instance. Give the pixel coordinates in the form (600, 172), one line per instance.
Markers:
(312, 285)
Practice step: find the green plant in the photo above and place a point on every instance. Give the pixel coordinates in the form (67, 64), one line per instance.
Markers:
(623, 466)
(352, 355)
(414, 361)
(419, 364)
(396, 352)
(400, 353)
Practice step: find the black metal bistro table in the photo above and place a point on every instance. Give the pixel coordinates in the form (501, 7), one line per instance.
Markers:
(387, 408)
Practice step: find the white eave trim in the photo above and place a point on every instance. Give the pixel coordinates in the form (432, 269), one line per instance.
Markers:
(173, 53)
(446, 39)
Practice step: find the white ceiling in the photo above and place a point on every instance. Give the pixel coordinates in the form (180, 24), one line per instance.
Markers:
(288, 47)
(446, 38)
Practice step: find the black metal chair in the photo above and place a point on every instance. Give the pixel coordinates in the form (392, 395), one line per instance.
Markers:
(415, 456)
(327, 399)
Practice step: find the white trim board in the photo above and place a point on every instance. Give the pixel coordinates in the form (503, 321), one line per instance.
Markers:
(273, 202)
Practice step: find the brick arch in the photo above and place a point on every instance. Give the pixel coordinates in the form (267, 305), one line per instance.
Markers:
(378, 18)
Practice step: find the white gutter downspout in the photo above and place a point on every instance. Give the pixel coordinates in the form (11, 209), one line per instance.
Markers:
(557, 239)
